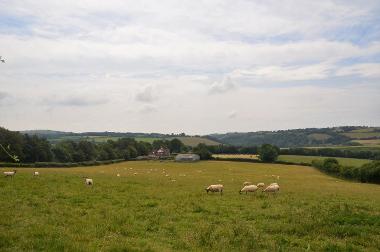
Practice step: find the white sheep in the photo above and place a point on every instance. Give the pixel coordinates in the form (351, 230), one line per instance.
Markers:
(10, 173)
(118, 175)
(249, 188)
(36, 173)
(215, 188)
(89, 181)
(247, 183)
(275, 183)
(261, 184)
(272, 188)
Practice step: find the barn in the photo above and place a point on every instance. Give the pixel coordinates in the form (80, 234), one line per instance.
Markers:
(187, 158)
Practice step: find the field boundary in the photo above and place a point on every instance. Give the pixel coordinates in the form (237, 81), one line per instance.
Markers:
(61, 165)
(258, 161)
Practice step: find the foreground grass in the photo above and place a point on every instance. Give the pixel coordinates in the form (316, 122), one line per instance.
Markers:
(308, 159)
(149, 211)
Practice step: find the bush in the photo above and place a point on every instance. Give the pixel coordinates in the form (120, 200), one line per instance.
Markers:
(366, 173)
(370, 172)
(331, 165)
(268, 153)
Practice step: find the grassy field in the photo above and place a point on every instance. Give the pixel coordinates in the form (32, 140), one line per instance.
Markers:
(299, 159)
(352, 148)
(187, 140)
(309, 159)
(147, 139)
(194, 141)
(356, 135)
(145, 210)
(248, 156)
(369, 142)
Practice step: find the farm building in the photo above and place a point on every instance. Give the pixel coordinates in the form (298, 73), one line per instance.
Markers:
(161, 152)
(187, 158)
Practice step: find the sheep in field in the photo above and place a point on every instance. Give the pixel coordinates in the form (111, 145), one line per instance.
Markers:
(249, 188)
(215, 188)
(36, 173)
(89, 181)
(247, 183)
(10, 173)
(272, 188)
(260, 185)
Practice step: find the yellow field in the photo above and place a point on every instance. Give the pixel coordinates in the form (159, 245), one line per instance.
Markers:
(247, 156)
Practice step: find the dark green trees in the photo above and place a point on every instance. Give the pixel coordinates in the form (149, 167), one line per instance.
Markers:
(268, 153)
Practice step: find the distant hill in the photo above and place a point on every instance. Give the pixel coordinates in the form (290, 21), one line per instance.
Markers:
(310, 137)
(347, 135)
(56, 136)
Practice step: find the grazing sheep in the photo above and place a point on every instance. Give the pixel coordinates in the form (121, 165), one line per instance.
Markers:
(89, 181)
(261, 184)
(118, 175)
(272, 188)
(10, 173)
(247, 183)
(273, 184)
(215, 188)
(36, 173)
(249, 188)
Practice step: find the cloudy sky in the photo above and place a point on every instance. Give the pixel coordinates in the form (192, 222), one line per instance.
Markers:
(188, 66)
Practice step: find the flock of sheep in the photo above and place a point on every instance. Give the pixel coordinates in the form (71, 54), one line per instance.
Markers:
(247, 186)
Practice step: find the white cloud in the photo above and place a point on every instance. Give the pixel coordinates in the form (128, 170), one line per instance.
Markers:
(232, 114)
(146, 94)
(284, 73)
(120, 57)
(225, 85)
(368, 70)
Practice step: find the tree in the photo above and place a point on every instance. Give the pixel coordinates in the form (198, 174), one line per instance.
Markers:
(202, 151)
(176, 146)
(331, 165)
(268, 153)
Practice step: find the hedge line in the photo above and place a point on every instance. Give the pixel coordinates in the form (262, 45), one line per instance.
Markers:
(366, 173)
(64, 165)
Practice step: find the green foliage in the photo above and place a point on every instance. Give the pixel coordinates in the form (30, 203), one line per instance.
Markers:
(202, 151)
(369, 172)
(32, 149)
(334, 152)
(297, 159)
(285, 138)
(268, 153)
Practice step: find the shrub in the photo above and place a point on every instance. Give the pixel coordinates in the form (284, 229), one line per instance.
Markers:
(268, 153)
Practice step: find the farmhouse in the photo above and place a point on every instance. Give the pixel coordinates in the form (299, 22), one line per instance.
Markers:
(187, 158)
(161, 152)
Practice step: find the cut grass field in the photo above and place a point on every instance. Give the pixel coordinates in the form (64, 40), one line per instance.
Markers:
(187, 140)
(358, 135)
(150, 211)
(298, 159)
(308, 159)
(247, 156)
(370, 142)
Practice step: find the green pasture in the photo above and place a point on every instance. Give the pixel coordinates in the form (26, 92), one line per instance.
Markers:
(162, 206)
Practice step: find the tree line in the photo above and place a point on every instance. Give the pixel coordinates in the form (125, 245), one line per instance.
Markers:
(29, 149)
(366, 173)
(332, 152)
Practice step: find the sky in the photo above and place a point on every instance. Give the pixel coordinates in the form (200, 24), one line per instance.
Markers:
(197, 67)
